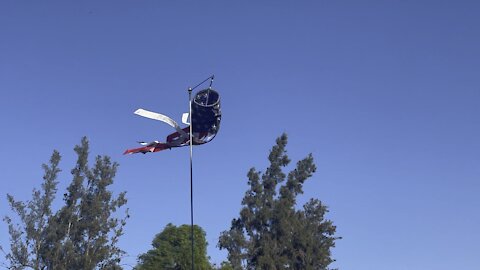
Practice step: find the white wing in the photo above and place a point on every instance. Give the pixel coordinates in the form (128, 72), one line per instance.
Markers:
(161, 117)
(185, 118)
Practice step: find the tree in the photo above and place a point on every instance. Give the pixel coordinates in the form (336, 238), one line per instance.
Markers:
(172, 250)
(224, 266)
(83, 234)
(270, 232)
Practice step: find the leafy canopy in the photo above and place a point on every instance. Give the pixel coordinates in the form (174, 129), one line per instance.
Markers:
(83, 233)
(270, 233)
(172, 250)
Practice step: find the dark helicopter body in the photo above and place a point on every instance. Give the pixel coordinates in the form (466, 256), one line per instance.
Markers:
(206, 117)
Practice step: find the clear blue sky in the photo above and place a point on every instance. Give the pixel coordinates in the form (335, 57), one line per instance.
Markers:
(385, 94)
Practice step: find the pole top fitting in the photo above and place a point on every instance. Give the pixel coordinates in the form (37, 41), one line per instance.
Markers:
(211, 81)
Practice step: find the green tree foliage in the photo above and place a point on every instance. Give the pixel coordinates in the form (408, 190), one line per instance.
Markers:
(270, 232)
(82, 234)
(224, 266)
(172, 250)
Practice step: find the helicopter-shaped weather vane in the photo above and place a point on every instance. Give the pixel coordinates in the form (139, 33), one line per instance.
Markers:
(205, 116)
(203, 123)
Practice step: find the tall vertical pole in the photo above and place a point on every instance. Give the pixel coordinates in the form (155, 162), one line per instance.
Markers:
(191, 161)
(191, 172)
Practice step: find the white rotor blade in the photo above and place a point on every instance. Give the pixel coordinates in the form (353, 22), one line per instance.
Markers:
(185, 118)
(160, 117)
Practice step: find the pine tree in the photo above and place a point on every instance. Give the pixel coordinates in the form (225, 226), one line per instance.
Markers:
(270, 232)
(83, 234)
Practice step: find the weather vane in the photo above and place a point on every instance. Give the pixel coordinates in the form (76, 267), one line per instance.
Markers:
(205, 116)
(203, 122)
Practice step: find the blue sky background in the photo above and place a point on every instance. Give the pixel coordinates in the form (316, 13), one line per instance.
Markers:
(385, 94)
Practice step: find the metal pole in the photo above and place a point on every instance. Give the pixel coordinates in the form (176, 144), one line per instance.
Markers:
(191, 160)
(191, 171)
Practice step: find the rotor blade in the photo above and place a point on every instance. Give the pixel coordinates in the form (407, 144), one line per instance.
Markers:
(160, 117)
(185, 118)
